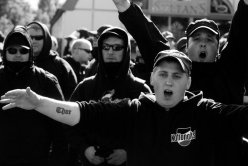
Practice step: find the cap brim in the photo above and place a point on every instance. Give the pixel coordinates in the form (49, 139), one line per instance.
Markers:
(23, 46)
(18, 45)
(166, 57)
(204, 27)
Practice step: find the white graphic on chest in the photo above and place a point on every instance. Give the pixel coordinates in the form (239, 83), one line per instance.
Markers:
(183, 136)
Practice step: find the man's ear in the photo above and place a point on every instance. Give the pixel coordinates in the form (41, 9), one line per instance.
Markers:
(186, 48)
(189, 83)
(151, 79)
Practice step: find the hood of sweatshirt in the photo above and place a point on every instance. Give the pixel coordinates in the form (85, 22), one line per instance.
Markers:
(45, 52)
(121, 70)
(20, 37)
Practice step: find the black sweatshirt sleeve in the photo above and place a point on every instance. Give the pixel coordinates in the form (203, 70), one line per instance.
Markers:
(148, 37)
(228, 121)
(234, 59)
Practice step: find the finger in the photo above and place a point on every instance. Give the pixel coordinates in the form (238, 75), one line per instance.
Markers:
(29, 91)
(6, 100)
(112, 161)
(112, 155)
(7, 96)
(9, 106)
(14, 93)
(97, 160)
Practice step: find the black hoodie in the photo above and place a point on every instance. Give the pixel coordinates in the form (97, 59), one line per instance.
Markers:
(222, 80)
(27, 136)
(49, 60)
(187, 134)
(103, 85)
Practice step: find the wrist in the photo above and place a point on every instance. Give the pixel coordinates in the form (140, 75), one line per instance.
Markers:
(39, 101)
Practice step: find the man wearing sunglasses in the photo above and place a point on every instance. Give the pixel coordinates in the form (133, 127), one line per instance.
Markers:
(80, 57)
(49, 59)
(113, 80)
(28, 139)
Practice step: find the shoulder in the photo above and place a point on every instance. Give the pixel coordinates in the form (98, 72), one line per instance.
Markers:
(62, 63)
(45, 74)
(89, 81)
(138, 82)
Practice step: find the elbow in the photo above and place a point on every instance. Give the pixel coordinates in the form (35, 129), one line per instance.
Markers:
(73, 121)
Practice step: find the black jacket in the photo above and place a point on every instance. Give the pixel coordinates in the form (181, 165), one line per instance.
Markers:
(50, 60)
(185, 135)
(77, 67)
(27, 137)
(103, 86)
(222, 81)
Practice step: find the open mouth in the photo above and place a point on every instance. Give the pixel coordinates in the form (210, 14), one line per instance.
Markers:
(203, 55)
(168, 93)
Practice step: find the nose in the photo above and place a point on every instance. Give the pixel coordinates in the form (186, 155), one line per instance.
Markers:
(168, 81)
(203, 43)
(18, 53)
(110, 51)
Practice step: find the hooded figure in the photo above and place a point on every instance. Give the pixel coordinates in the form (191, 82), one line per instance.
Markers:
(113, 80)
(18, 37)
(28, 138)
(49, 59)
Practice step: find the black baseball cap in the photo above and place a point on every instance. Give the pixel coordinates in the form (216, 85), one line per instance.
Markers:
(180, 57)
(202, 24)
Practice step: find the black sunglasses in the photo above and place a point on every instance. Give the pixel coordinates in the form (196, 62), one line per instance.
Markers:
(13, 50)
(40, 37)
(115, 47)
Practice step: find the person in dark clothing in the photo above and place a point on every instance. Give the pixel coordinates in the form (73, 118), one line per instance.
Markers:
(139, 68)
(92, 69)
(212, 78)
(221, 79)
(49, 60)
(80, 57)
(28, 139)
(172, 127)
(113, 80)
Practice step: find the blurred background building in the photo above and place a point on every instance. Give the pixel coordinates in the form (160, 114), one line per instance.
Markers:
(172, 15)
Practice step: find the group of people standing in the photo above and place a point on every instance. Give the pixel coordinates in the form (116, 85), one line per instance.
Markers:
(186, 110)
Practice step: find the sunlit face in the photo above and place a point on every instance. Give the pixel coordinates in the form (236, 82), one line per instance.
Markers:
(169, 83)
(37, 37)
(17, 54)
(112, 49)
(81, 52)
(202, 46)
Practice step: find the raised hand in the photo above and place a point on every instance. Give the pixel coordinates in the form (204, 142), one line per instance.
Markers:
(122, 5)
(22, 98)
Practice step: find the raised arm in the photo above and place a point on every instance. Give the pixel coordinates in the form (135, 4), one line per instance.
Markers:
(61, 111)
(148, 37)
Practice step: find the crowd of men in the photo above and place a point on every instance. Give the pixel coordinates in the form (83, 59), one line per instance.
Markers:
(99, 103)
